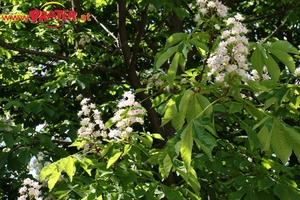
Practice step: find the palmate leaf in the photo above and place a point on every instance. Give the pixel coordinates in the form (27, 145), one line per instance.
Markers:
(197, 43)
(264, 137)
(205, 140)
(272, 67)
(179, 119)
(173, 69)
(285, 46)
(54, 170)
(280, 141)
(174, 39)
(194, 108)
(165, 164)
(170, 112)
(162, 57)
(187, 145)
(113, 159)
(206, 106)
(171, 193)
(257, 60)
(70, 166)
(191, 178)
(165, 158)
(295, 140)
(285, 58)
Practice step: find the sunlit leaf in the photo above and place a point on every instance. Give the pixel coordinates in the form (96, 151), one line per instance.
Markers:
(113, 159)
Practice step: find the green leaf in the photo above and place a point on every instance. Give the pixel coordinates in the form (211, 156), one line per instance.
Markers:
(70, 167)
(264, 137)
(179, 119)
(294, 140)
(285, 46)
(285, 58)
(113, 159)
(102, 171)
(272, 67)
(185, 99)
(253, 111)
(164, 56)
(205, 140)
(250, 195)
(194, 108)
(48, 110)
(109, 123)
(157, 136)
(24, 156)
(171, 111)
(187, 145)
(171, 193)
(182, 61)
(145, 141)
(78, 144)
(9, 139)
(257, 60)
(174, 39)
(3, 159)
(265, 183)
(47, 170)
(157, 4)
(127, 148)
(238, 194)
(80, 83)
(235, 107)
(100, 3)
(206, 106)
(53, 172)
(280, 142)
(86, 163)
(190, 178)
(173, 69)
(269, 102)
(165, 163)
(260, 123)
(193, 180)
(280, 191)
(197, 43)
(53, 179)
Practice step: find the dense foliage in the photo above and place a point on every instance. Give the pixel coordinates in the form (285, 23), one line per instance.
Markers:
(150, 99)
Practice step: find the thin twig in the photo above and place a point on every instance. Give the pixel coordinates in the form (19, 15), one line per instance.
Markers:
(106, 29)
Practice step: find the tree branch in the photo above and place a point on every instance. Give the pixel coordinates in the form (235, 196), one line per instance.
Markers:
(129, 60)
(122, 31)
(105, 69)
(147, 40)
(28, 51)
(282, 12)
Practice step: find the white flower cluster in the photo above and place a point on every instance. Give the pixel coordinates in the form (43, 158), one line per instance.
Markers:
(35, 166)
(150, 78)
(30, 190)
(232, 51)
(91, 123)
(231, 54)
(205, 6)
(297, 72)
(129, 112)
(255, 76)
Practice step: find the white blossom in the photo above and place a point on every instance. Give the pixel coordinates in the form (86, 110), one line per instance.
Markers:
(297, 71)
(84, 101)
